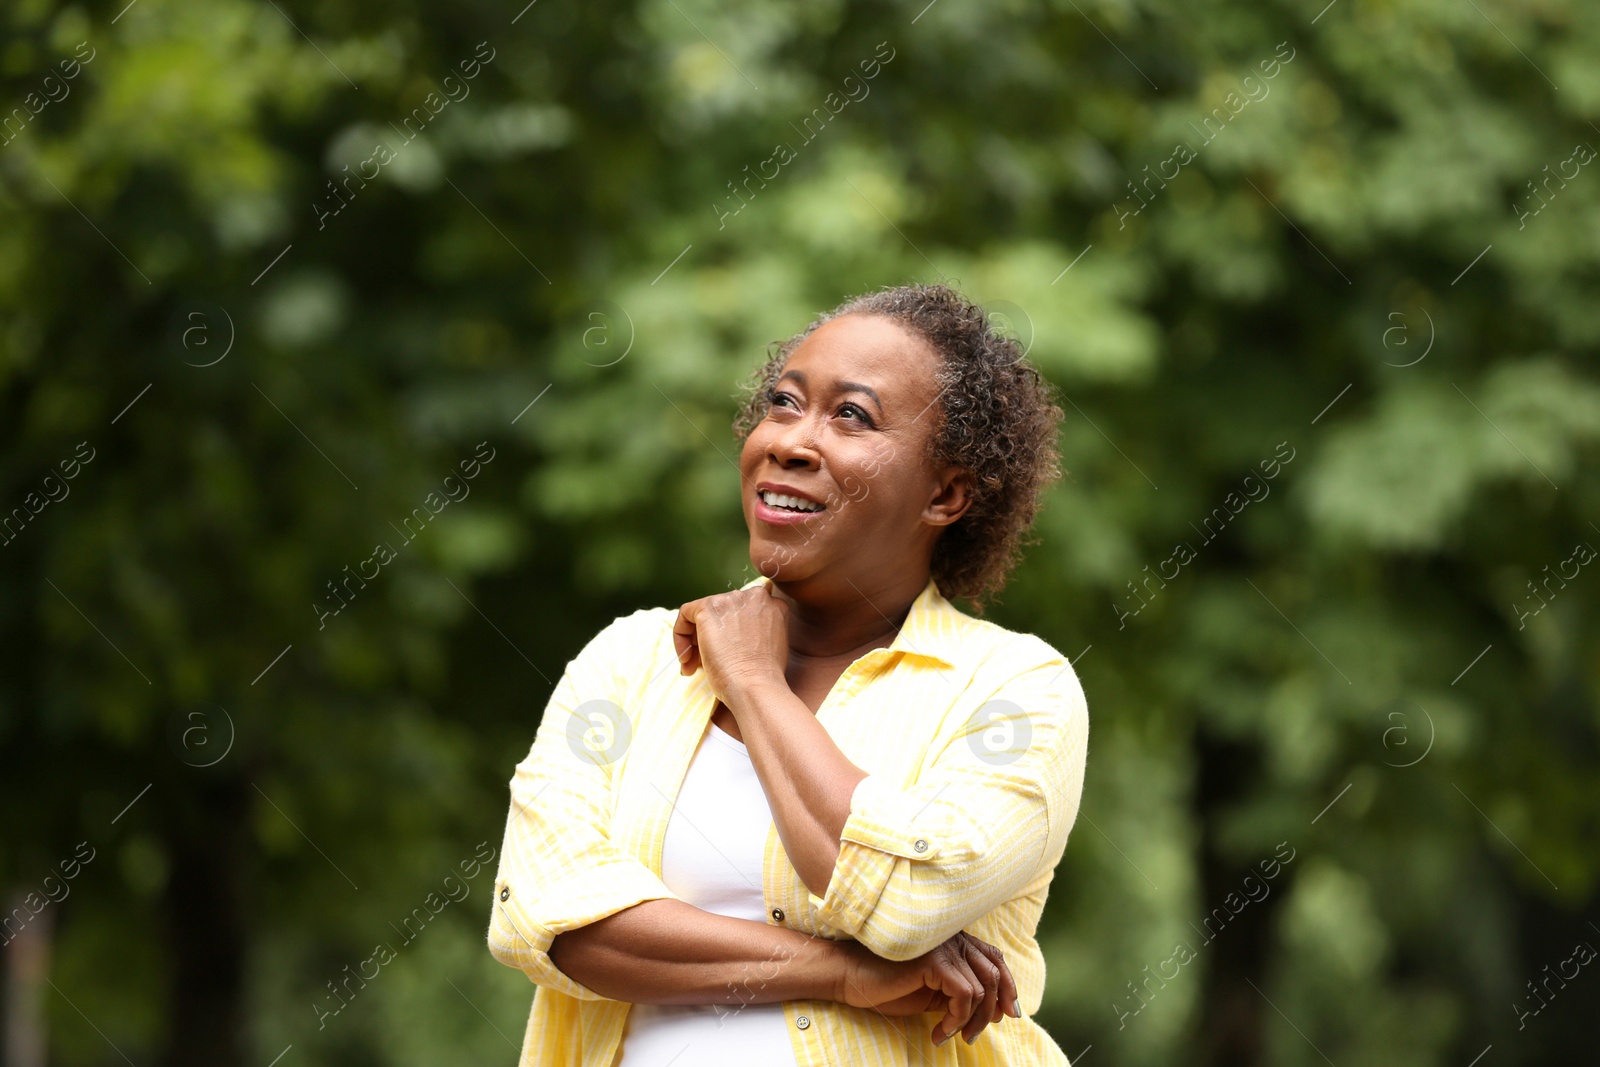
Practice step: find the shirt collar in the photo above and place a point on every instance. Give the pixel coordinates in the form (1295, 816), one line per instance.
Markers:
(931, 629)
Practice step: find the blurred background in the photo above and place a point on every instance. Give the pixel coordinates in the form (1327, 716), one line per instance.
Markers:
(1318, 284)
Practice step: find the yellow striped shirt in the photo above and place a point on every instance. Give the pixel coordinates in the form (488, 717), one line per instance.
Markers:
(973, 738)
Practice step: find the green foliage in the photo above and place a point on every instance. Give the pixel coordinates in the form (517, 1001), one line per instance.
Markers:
(1379, 254)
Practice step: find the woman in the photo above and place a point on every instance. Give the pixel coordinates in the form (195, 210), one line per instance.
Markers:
(826, 837)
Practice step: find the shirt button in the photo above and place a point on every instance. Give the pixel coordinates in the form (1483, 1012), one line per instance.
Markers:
(505, 894)
(920, 845)
(777, 917)
(802, 1022)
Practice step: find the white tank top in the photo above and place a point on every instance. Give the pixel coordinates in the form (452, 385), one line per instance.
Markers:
(716, 840)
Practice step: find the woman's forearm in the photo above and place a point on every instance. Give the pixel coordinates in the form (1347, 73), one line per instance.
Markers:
(808, 781)
(670, 952)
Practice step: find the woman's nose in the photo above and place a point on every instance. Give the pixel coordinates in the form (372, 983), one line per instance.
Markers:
(795, 441)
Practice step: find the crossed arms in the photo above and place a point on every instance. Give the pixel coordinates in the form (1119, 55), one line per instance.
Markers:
(900, 872)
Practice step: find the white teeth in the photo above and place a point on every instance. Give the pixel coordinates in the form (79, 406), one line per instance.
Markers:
(781, 500)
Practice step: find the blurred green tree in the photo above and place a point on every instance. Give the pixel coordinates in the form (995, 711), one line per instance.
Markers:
(283, 268)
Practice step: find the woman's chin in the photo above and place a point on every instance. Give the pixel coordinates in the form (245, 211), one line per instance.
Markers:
(774, 563)
(768, 568)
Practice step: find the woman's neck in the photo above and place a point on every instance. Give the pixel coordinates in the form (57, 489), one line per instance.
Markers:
(838, 624)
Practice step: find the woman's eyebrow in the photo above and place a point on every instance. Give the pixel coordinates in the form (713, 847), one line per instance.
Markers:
(857, 387)
(847, 387)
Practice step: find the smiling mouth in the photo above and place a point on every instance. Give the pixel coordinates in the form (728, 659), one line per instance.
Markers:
(783, 502)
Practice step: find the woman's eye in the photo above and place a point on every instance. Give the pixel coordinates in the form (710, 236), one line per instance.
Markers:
(774, 397)
(860, 412)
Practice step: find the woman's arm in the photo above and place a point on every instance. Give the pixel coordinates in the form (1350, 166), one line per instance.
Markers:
(807, 779)
(901, 870)
(670, 952)
(740, 640)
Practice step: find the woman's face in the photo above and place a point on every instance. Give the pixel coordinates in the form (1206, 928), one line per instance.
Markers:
(848, 434)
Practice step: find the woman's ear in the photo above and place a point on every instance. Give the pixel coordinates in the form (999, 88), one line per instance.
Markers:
(954, 496)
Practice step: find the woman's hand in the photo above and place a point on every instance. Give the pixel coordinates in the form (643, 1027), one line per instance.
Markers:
(965, 978)
(738, 637)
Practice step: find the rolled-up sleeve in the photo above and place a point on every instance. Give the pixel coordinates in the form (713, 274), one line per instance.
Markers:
(558, 868)
(991, 812)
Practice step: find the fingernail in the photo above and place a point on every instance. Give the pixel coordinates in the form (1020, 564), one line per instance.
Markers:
(941, 1040)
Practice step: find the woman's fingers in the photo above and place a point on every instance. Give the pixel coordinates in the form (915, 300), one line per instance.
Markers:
(685, 638)
(976, 985)
(1008, 986)
(988, 973)
(688, 656)
(962, 987)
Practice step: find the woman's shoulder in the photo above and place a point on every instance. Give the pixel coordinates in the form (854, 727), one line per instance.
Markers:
(639, 633)
(628, 646)
(986, 642)
(1002, 659)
